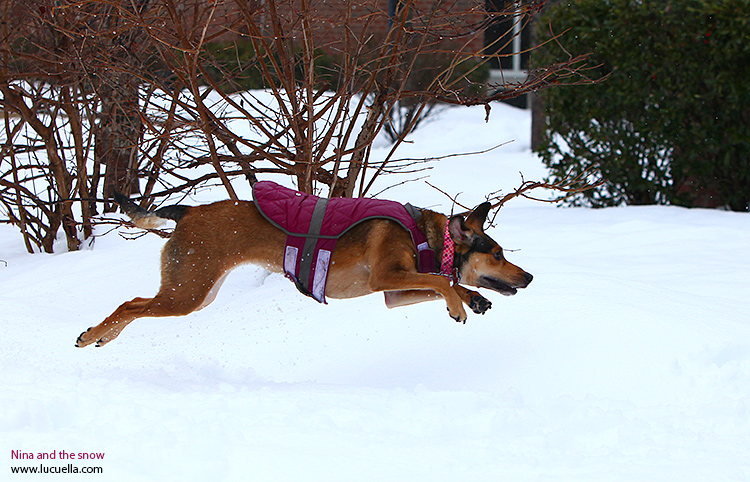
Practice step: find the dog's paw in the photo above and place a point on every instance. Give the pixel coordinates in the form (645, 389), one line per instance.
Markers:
(87, 338)
(460, 317)
(479, 304)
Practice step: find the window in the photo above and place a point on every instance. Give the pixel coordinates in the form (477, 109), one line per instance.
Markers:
(507, 36)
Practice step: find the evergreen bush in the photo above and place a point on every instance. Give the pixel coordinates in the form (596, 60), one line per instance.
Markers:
(670, 120)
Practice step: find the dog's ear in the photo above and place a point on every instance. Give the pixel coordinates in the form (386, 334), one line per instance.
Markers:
(459, 231)
(478, 216)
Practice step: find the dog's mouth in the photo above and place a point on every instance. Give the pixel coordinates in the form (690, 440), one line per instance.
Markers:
(497, 285)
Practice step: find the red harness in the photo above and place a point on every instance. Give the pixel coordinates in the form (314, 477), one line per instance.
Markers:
(313, 225)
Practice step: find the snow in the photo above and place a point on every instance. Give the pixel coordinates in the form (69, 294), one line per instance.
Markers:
(627, 358)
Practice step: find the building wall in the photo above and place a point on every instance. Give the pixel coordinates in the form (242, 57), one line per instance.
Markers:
(453, 21)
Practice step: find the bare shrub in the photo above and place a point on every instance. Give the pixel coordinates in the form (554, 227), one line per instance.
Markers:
(151, 96)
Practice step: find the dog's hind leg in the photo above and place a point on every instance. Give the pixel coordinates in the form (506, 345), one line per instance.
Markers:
(168, 302)
(189, 281)
(108, 329)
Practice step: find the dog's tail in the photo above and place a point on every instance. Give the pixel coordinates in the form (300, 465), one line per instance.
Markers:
(146, 219)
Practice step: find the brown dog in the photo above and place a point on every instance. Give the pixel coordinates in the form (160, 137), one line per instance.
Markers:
(375, 255)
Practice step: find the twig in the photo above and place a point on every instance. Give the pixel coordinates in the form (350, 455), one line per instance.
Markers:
(453, 199)
(568, 186)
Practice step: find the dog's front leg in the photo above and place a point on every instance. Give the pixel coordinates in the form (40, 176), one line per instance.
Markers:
(478, 303)
(407, 281)
(394, 299)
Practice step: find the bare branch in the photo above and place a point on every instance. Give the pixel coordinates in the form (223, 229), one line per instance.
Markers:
(568, 186)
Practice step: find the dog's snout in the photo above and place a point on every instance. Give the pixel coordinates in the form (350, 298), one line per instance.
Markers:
(528, 277)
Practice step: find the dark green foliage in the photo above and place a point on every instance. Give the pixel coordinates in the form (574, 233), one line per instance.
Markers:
(670, 123)
(234, 67)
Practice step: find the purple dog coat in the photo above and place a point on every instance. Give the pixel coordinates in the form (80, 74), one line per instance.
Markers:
(313, 225)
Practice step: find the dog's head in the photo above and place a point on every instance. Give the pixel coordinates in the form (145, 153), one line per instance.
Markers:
(479, 259)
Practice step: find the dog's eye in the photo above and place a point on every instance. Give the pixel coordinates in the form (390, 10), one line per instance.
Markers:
(499, 254)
